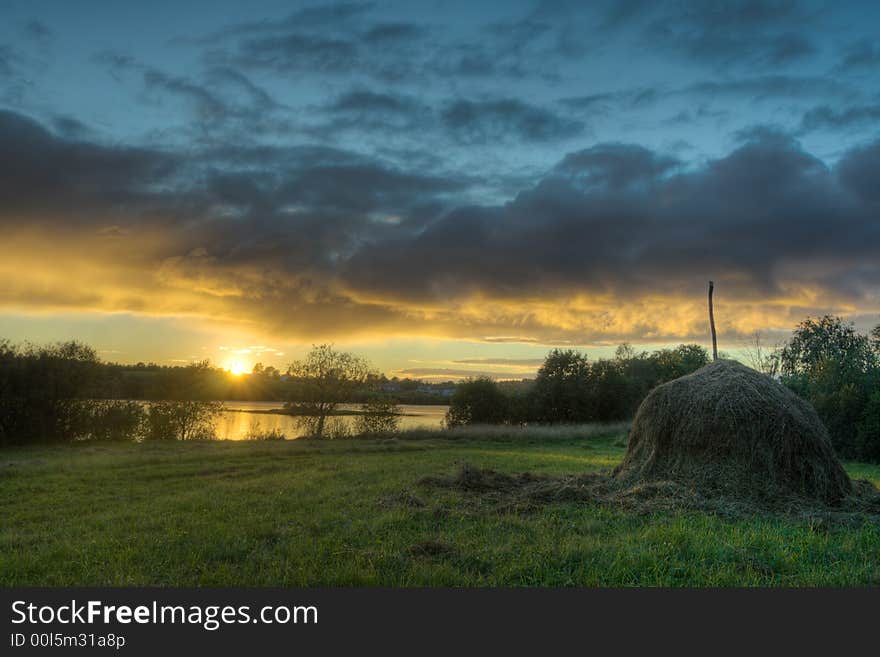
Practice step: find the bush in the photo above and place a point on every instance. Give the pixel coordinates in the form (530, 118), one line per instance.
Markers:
(336, 429)
(113, 420)
(477, 401)
(41, 389)
(378, 416)
(182, 420)
(256, 432)
(868, 436)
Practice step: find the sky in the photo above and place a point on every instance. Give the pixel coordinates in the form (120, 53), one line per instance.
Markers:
(447, 188)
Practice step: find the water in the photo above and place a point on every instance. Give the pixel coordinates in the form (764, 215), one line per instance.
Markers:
(234, 424)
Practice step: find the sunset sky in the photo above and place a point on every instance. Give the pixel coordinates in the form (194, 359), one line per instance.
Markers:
(447, 188)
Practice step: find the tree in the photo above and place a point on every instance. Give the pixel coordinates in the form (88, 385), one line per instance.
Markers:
(816, 342)
(477, 401)
(679, 361)
(835, 368)
(868, 435)
(559, 394)
(326, 378)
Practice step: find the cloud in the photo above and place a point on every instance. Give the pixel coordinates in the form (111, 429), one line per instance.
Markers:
(299, 52)
(42, 173)
(770, 220)
(37, 30)
(7, 57)
(350, 39)
(328, 16)
(858, 172)
(614, 242)
(752, 33)
(383, 34)
(864, 54)
(500, 120)
(615, 166)
(771, 87)
(826, 117)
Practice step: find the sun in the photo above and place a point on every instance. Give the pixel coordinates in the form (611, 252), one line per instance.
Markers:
(236, 368)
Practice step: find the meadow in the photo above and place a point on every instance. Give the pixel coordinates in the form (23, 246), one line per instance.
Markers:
(356, 512)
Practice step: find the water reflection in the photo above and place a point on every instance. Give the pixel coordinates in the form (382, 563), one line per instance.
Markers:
(236, 423)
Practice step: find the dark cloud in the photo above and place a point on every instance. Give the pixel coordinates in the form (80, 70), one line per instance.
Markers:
(363, 101)
(826, 117)
(615, 166)
(374, 113)
(37, 30)
(299, 52)
(383, 34)
(504, 119)
(858, 171)
(7, 58)
(348, 39)
(41, 173)
(315, 240)
(336, 39)
(763, 33)
(224, 101)
(594, 102)
(631, 223)
(71, 128)
(771, 86)
(864, 55)
(364, 187)
(332, 16)
(209, 107)
(753, 88)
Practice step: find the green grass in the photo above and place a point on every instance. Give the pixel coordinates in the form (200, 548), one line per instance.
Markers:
(308, 513)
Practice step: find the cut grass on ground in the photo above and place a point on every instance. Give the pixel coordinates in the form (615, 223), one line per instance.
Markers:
(350, 512)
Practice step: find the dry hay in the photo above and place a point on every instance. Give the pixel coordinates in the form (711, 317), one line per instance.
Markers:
(528, 492)
(725, 440)
(728, 430)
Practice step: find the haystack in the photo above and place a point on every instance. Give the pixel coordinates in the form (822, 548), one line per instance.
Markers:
(729, 430)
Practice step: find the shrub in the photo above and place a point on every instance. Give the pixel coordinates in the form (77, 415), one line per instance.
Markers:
(868, 436)
(113, 420)
(41, 389)
(477, 401)
(256, 432)
(182, 420)
(337, 428)
(378, 416)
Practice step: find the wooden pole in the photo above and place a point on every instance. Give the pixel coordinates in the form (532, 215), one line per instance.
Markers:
(712, 323)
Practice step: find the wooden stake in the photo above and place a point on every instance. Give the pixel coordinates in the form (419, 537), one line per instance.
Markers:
(712, 323)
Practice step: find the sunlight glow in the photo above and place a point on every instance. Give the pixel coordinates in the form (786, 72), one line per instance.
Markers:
(237, 368)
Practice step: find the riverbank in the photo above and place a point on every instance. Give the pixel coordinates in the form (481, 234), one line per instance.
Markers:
(357, 512)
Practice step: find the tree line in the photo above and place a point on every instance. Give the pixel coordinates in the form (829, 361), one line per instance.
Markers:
(151, 381)
(825, 361)
(63, 392)
(571, 389)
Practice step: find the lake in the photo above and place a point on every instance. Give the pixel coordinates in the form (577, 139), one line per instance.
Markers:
(236, 422)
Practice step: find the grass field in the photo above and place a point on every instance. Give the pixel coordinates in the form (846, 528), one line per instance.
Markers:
(350, 512)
